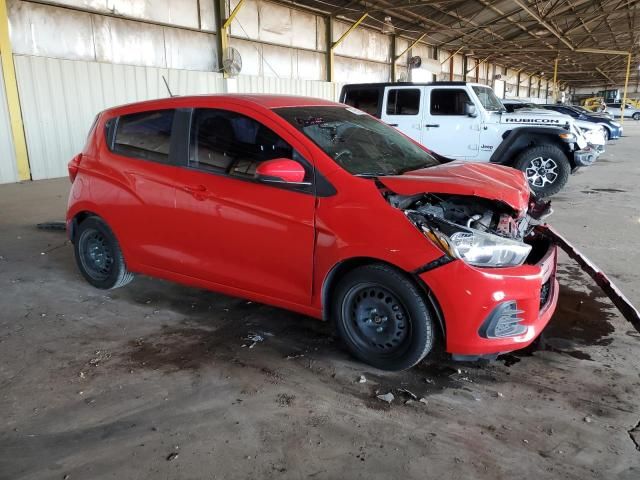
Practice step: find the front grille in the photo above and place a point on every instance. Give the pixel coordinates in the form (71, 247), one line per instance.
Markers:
(545, 293)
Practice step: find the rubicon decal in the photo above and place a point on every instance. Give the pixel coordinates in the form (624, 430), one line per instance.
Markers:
(545, 121)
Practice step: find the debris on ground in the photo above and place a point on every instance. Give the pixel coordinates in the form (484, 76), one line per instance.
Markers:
(387, 397)
(409, 393)
(362, 379)
(99, 356)
(172, 456)
(254, 338)
(588, 419)
(61, 226)
(423, 400)
(292, 357)
(285, 400)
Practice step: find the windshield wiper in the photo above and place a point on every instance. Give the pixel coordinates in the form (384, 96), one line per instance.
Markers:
(371, 174)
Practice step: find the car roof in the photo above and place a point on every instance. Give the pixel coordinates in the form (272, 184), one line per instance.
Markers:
(410, 84)
(264, 100)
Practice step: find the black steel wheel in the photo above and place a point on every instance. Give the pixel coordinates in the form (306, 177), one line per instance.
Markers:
(98, 255)
(382, 317)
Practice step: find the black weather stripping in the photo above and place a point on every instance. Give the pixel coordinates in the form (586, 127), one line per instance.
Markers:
(438, 262)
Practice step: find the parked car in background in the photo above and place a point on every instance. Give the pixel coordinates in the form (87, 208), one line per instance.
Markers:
(615, 109)
(592, 113)
(315, 207)
(612, 127)
(467, 121)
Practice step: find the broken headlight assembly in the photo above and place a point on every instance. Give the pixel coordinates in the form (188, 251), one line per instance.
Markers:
(476, 248)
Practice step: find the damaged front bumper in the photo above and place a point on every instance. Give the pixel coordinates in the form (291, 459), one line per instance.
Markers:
(489, 311)
(585, 157)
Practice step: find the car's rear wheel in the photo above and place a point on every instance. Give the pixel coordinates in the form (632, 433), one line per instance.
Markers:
(636, 116)
(546, 167)
(383, 317)
(98, 255)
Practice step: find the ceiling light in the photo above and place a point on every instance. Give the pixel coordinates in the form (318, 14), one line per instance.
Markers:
(387, 26)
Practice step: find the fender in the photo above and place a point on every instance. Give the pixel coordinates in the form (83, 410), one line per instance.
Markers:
(516, 140)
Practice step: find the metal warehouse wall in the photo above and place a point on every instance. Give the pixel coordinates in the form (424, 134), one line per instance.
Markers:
(74, 58)
(8, 170)
(61, 97)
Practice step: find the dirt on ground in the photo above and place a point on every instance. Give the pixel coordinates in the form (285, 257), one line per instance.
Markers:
(157, 380)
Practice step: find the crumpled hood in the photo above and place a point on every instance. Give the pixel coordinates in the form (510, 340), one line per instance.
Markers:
(493, 182)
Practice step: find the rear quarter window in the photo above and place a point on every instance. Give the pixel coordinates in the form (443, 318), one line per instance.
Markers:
(145, 135)
(365, 99)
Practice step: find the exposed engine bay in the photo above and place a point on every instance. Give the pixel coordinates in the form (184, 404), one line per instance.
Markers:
(483, 232)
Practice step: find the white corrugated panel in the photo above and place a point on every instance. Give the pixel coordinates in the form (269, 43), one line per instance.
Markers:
(286, 86)
(60, 98)
(8, 170)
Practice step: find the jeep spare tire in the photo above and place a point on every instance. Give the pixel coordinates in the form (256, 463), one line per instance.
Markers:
(546, 167)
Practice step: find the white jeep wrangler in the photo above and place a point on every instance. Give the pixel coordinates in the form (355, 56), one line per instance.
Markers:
(467, 121)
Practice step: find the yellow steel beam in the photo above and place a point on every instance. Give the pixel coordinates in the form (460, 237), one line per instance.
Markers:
(451, 56)
(234, 12)
(333, 45)
(349, 30)
(626, 85)
(555, 81)
(413, 44)
(13, 99)
(605, 52)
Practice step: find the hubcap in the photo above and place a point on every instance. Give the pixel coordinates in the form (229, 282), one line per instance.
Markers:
(95, 254)
(541, 171)
(376, 319)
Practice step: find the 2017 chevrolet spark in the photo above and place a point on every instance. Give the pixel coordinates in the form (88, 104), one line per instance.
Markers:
(319, 208)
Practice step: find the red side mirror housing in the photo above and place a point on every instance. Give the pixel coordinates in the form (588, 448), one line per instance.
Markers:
(280, 170)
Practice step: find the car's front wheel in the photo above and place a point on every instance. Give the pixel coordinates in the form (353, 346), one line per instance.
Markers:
(636, 116)
(546, 167)
(98, 255)
(383, 317)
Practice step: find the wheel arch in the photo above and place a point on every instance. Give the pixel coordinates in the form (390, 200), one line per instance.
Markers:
(345, 266)
(77, 219)
(518, 140)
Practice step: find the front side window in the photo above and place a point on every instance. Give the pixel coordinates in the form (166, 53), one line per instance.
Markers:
(357, 142)
(231, 143)
(403, 101)
(449, 101)
(145, 135)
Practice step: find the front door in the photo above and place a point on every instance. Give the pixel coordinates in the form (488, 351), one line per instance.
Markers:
(448, 130)
(401, 109)
(238, 232)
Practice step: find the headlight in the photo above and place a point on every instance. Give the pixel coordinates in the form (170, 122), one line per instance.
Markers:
(616, 124)
(477, 248)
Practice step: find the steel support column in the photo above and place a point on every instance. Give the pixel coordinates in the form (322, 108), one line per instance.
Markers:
(332, 45)
(13, 98)
(626, 86)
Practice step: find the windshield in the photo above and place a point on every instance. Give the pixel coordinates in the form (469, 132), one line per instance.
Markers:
(488, 99)
(357, 142)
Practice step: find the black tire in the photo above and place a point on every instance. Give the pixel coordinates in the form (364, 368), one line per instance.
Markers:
(608, 132)
(98, 255)
(636, 116)
(382, 317)
(546, 167)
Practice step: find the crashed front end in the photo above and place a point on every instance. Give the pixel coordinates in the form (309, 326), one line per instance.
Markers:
(495, 283)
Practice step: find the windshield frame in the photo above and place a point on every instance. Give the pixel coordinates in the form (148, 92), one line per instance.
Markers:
(321, 125)
(496, 106)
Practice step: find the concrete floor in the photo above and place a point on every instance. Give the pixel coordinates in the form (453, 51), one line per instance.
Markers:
(154, 380)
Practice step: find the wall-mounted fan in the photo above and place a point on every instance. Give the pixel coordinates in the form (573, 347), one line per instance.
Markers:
(232, 61)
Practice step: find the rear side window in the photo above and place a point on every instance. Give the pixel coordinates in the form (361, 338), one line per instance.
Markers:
(403, 101)
(145, 135)
(231, 143)
(449, 101)
(365, 99)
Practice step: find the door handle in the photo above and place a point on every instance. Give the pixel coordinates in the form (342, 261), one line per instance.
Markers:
(435, 125)
(392, 124)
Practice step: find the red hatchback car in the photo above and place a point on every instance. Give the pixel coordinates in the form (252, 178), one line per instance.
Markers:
(319, 208)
